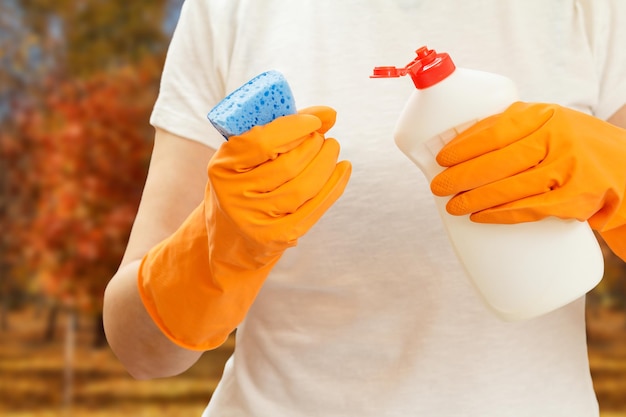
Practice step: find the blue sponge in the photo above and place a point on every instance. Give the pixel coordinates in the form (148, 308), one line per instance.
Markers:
(257, 102)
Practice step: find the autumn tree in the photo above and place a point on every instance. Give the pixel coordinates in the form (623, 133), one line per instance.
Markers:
(83, 37)
(77, 83)
(88, 157)
(19, 76)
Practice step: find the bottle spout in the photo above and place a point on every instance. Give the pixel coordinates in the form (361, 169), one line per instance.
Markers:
(427, 69)
(395, 72)
(388, 72)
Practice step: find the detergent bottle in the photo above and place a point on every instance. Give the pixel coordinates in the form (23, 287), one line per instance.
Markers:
(521, 270)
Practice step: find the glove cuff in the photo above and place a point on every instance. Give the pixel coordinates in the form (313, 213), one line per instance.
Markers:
(192, 307)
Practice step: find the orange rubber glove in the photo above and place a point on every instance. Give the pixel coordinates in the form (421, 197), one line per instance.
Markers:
(266, 188)
(535, 161)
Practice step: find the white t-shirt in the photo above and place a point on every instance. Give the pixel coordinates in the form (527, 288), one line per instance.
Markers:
(371, 314)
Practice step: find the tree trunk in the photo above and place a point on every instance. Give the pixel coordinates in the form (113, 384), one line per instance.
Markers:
(99, 338)
(4, 297)
(51, 323)
(68, 375)
(4, 312)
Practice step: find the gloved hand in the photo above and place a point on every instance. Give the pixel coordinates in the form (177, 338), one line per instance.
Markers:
(266, 188)
(535, 161)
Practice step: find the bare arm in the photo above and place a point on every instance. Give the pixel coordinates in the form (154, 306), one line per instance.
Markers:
(174, 187)
(619, 118)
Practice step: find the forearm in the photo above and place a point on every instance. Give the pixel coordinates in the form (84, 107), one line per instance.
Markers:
(175, 184)
(137, 342)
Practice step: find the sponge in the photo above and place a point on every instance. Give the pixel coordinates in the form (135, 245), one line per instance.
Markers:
(257, 102)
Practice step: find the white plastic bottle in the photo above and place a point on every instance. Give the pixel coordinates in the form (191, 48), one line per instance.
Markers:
(521, 270)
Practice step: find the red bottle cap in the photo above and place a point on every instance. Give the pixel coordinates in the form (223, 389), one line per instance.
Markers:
(427, 69)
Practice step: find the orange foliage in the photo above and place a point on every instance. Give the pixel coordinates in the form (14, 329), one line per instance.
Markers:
(87, 160)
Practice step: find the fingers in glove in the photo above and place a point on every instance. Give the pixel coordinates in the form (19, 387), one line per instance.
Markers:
(290, 196)
(310, 212)
(326, 114)
(287, 166)
(536, 208)
(546, 187)
(264, 143)
(515, 192)
(495, 132)
(497, 165)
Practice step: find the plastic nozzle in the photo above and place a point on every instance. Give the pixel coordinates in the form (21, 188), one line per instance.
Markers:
(388, 72)
(427, 69)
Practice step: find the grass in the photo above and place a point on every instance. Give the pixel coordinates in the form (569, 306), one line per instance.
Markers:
(33, 381)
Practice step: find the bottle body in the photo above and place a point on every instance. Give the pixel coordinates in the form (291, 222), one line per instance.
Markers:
(521, 270)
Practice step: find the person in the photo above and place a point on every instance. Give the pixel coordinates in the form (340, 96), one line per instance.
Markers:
(319, 241)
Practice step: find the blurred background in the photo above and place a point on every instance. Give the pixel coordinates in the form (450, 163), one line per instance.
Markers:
(78, 79)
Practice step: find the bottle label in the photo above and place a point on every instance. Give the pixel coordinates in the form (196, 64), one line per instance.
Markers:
(436, 143)
(424, 154)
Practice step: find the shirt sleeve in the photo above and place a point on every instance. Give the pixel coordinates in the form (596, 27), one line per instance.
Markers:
(192, 81)
(606, 28)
